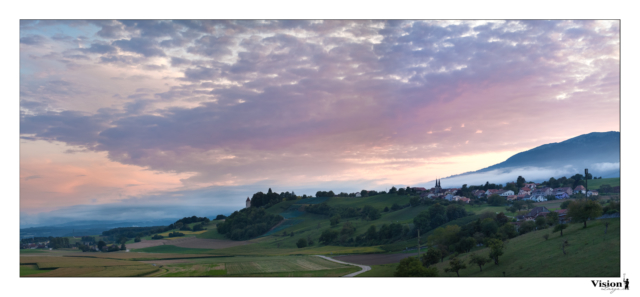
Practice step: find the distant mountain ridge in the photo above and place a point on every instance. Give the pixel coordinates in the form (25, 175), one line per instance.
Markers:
(598, 151)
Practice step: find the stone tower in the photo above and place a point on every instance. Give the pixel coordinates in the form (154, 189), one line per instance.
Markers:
(248, 202)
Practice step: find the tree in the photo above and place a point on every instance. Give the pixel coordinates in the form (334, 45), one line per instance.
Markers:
(553, 218)
(546, 236)
(479, 260)
(101, 244)
(335, 220)
(489, 227)
(386, 209)
(520, 182)
(455, 265)
(519, 204)
(220, 217)
(423, 221)
(560, 227)
(371, 233)
(371, 213)
(584, 210)
(301, 243)
(527, 227)
(501, 219)
(393, 190)
(529, 204)
(414, 201)
(123, 247)
(328, 236)
(432, 256)
(401, 192)
(496, 200)
(395, 207)
(508, 231)
(348, 229)
(565, 204)
(497, 249)
(138, 239)
(467, 244)
(411, 267)
(541, 222)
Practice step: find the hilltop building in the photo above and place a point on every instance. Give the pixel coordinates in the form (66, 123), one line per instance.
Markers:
(248, 202)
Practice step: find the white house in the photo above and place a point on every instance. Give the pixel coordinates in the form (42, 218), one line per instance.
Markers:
(580, 189)
(593, 192)
(358, 195)
(538, 197)
(448, 197)
(507, 193)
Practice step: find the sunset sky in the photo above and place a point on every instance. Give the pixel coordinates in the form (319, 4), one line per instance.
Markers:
(144, 119)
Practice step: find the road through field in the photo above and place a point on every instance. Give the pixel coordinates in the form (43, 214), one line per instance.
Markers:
(364, 267)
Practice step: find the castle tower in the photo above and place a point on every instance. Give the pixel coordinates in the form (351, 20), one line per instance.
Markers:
(248, 202)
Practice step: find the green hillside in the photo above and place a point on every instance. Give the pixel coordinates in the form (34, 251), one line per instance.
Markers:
(594, 184)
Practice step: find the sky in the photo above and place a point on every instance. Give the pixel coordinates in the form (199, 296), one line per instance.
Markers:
(145, 119)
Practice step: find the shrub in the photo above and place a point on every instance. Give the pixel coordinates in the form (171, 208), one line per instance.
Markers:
(411, 267)
(301, 243)
(328, 236)
(157, 236)
(176, 234)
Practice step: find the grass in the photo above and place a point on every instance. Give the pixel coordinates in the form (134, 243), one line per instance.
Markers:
(133, 256)
(317, 273)
(196, 270)
(590, 253)
(31, 269)
(384, 270)
(596, 183)
(128, 271)
(30, 251)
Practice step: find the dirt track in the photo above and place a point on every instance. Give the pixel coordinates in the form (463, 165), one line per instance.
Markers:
(375, 259)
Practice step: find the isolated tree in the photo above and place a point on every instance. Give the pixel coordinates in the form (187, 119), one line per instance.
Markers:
(479, 260)
(411, 267)
(520, 182)
(432, 256)
(455, 265)
(123, 247)
(301, 243)
(101, 244)
(584, 210)
(393, 190)
(386, 209)
(560, 227)
(497, 249)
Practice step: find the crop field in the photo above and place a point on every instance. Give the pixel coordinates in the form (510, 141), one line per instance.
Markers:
(61, 262)
(186, 233)
(258, 266)
(132, 256)
(126, 271)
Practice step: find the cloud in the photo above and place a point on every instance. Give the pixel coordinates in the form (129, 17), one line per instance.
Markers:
(241, 102)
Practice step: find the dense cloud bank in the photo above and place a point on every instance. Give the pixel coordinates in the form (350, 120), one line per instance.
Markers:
(238, 102)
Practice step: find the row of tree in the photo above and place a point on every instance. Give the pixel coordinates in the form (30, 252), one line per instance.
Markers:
(248, 223)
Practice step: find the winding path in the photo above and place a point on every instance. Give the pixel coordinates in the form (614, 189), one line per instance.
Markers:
(364, 267)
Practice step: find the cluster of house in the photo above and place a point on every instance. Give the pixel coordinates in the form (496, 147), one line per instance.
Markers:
(530, 191)
(533, 191)
(541, 212)
(39, 245)
(438, 192)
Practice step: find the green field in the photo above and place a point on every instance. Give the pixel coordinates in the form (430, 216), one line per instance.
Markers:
(30, 251)
(596, 183)
(31, 269)
(383, 270)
